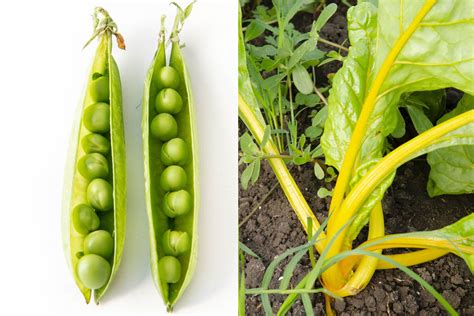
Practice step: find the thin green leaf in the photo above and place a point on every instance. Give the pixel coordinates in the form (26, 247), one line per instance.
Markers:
(248, 251)
(256, 171)
(254, 30)
(323, 193)
(247, 175)
(325, 15)
(266, 135)
(318, 171)
(419, 119)
(308, 307)
(302, 79)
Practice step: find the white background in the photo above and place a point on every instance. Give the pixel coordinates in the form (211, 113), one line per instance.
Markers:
(42, 73)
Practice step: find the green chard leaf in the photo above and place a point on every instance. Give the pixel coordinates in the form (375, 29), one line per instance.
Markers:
(438, 54)
(349, 85)
(463, 232)
(452, 170)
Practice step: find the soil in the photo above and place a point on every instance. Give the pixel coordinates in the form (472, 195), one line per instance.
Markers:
(274, 227)
(407, 207)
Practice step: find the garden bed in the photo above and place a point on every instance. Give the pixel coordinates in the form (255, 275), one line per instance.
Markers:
(274, 228)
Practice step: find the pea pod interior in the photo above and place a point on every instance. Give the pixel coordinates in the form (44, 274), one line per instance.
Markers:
(159, 222)
(104, 69)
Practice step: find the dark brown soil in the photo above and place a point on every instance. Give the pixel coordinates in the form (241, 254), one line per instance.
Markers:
(407, 207)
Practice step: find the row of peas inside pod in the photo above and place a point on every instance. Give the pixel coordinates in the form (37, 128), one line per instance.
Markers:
(94, 219)
(173, 180)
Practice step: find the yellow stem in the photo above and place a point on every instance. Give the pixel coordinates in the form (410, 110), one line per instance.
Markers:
(329, 311)
(367, 109)
(288, 184)
(413, 258)
(376, 175)
(401, 241)
(366, 269)
(333, 277)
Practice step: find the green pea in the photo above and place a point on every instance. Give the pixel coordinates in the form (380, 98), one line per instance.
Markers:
(177, 203)
(174, 152)
(93, 166)
(166, 77)
(173, 178)
(100, 243)
(164, 127)
(100, 195)
(97, 118)
(95, 143)
(168, 101)
(99, 89)
(84, 219)
(93, 271)
(170, 269)
(176, 242)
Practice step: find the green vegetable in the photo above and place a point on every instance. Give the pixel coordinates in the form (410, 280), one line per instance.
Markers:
(95, 173)
(174, 152)
(164, 127)
(84, 219)
(93, 271)
(100, 243)
(170, 269)
(176, 243)
(97, 118)
(99, 89)
(166, 77)
(173, 178)
(95, 143)
(100, 195)
(452, 169)
(171, 175)
(177, 203)
(168, 101)
(418, 66)
(93, 166)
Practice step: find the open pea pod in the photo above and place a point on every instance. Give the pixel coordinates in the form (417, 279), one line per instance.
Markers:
(93, 216)
(170, 155)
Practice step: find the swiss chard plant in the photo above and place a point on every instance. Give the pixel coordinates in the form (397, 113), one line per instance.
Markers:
(402, 54)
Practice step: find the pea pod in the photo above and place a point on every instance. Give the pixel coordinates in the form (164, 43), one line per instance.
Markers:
(95, 173)
(173, 261)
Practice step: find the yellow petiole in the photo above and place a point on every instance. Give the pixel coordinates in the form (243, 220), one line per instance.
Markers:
(413, 258)
(376, 175)
(287, 183)
(333, 276)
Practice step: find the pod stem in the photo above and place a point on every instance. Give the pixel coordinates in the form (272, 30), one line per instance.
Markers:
(179, 19)
(162, 34)
(104, 24)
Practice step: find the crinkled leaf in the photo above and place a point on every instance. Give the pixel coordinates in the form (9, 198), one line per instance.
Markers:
(349, 84)
(452, 170)
(437, 55)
